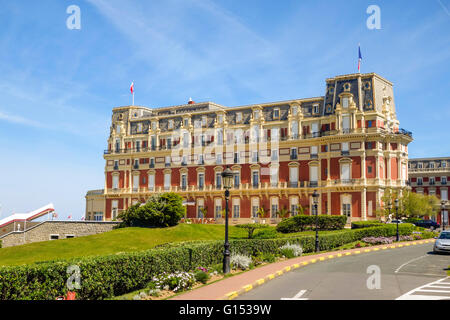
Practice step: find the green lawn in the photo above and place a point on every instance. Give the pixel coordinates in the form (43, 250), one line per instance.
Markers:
(120, 240)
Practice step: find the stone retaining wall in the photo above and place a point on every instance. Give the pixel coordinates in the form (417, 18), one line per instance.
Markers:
(63, 229)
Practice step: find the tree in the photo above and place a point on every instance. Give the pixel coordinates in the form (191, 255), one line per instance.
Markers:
(411, 204)
(163, 210)
(251, 227)
(283, 213)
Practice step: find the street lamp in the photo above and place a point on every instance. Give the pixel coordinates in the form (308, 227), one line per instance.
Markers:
(396, 216)
(227, 177)
(316, 200)
(443, 203)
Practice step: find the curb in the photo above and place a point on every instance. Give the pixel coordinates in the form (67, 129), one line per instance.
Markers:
(259, 282)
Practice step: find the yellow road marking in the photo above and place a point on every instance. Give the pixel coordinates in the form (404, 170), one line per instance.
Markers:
(313, 260)
(305, 263)
(260, 281)
(295, 266)
(287, 268)
(248, 287)
(330, 256)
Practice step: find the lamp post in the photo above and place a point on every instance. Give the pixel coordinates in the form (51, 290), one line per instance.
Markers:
(227, 177)
(315, 200)
(443, 214)
(396, 216)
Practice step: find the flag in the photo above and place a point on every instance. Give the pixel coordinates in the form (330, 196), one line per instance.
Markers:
(55, 215)
(82, 218)
(359, 58)
(132, 87)
(69, 217)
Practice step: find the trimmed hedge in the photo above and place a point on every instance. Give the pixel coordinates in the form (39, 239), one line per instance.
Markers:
(107, 276)
(302, 222)
(366, 224)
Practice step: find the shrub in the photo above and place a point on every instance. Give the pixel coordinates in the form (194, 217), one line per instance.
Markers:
(251, 227)
(302, 222)
(201, 276)
(164, 210)
(261, 257)
(366, 224)
(268, 233)
(240, 261)
(291, 250)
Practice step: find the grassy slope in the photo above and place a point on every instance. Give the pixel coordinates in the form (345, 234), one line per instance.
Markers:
(121, 240)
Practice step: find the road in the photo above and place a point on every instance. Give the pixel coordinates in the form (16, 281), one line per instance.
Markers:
(404, 273)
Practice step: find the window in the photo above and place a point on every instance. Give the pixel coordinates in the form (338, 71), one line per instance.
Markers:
(255, 207)
(274, 154)
(54, 236)
(419, 181)
(201, 159)
(444, 194)
(294, 111)
(236, 207)
(346, 124)
(236, 157)
(255, 178)
(98, 216)
(420, 165)
(154, 125)
(293, 153)
(256, 114)
(316, 109)
(293, 177)
(220, 118)
(255, 157)
(238, 117)
(70, 236)
(204, 118)
(431, 165)
(151, 181)
(432, 181)
(114, 209)
(345, 102)
(274, 176)
(218, 208)
(184, 181)
(273, 207)
(219, 137)
(118, 129)
(197, 123)
(345, 172)
(115, 182)
(200, 206)
(294, 130)
(314, 150)
(139, 127)
(170, 125)
(294, 205)
(346, 205)
(167, 161)
(218, 180)
(136, 182)
(166, 181)
(237, 179)
(345, 146)
(117, 145)
(443, 180)
(186, 122)
(313, 175)
(276, 113)
(443, 164)
(218, 158)
(201, 181)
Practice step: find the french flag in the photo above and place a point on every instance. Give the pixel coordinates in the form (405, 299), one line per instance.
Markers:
(359, 58)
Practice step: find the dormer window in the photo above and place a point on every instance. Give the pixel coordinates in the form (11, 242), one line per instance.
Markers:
(443, 164)
(170, 125)
(431, 165)
(256, 114)
(345, 102)
(139, 127)
(204, 121)
(239, 117)
(420, 165)
(316, 109)
(276, 113)
(154, 125)
(294, 111)
(186, 122)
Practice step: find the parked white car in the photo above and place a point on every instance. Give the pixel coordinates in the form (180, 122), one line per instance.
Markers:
(442, 243)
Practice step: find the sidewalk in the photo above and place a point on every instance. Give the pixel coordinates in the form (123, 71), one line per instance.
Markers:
(234, 286)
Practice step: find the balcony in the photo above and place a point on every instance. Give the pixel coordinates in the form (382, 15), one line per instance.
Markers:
(293, 184)
(313, 184)
(404, 132)
(345, 181)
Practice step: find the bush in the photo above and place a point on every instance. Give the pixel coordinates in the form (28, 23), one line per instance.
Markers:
(291, 250)
(240, 261)
(177, 281)
(106, 276)
(269, 233)
(251, 227)
(302, 222)
(366, 224)
(201, 276)
(164, 210)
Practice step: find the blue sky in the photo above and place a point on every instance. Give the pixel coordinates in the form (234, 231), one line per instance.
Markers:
(58, 86)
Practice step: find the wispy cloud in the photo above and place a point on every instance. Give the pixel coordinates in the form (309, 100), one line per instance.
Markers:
(20, 120)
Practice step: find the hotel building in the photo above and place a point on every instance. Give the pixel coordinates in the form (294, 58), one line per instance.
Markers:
(431, 176)
(347, 145)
